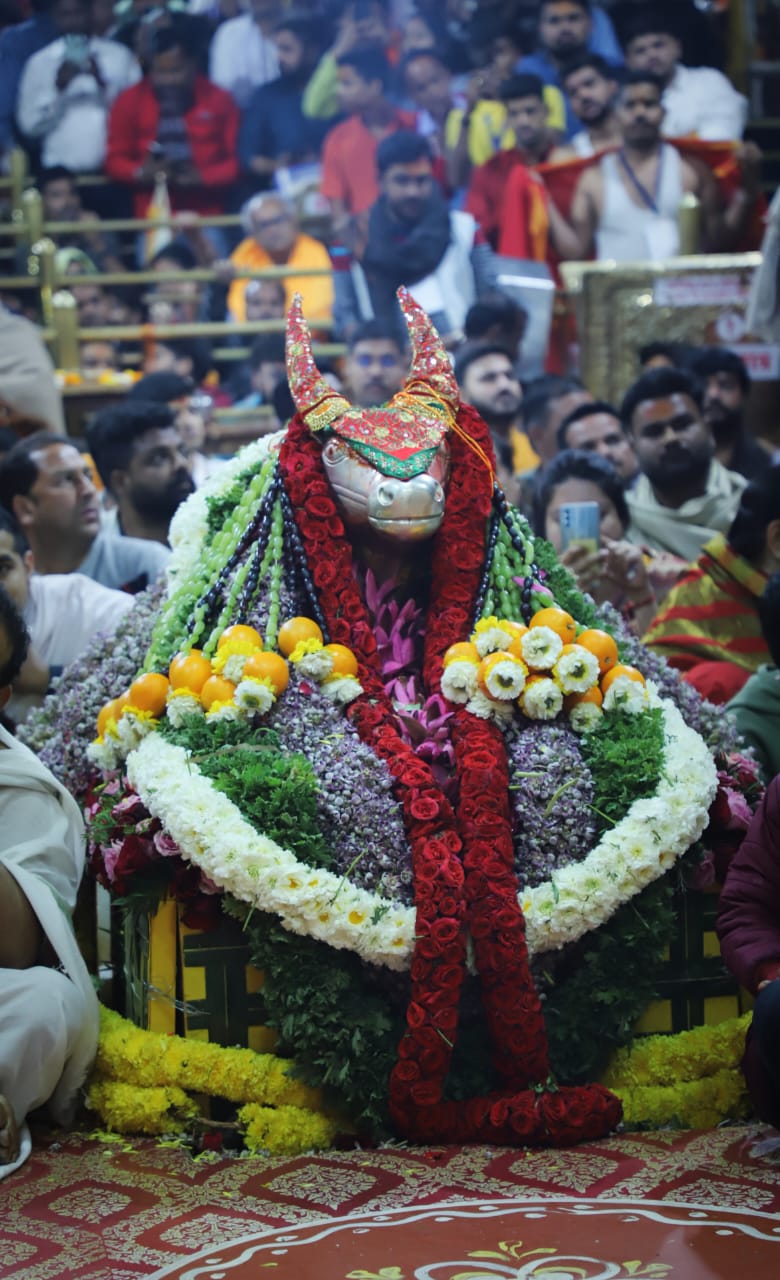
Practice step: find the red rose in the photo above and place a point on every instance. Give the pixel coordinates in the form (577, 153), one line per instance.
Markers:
(426, 1093)
(448, 977)
(406, 1070)
(323, 508)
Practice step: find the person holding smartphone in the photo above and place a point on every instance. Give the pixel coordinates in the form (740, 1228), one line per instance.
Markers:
(580, 507)
(67, 89)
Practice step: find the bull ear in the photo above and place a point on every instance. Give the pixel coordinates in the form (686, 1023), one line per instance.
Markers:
(431, 366)
(314, 398)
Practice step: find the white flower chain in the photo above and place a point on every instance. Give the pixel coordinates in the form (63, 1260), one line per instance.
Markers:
(212, 833)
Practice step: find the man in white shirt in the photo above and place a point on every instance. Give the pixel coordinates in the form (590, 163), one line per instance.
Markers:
(48, 1006)
(67, 89)
(48, 486)
(63, 612)
(243, 52)
(697, 100)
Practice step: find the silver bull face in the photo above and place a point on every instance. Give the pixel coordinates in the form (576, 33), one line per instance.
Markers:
(400, 510)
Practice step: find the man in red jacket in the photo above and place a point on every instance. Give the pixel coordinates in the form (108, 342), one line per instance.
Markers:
(176, 123)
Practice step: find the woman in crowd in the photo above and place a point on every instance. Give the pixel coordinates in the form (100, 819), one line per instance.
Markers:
(615, 571)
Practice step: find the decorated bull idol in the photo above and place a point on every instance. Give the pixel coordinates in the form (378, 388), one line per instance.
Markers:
(377, 724)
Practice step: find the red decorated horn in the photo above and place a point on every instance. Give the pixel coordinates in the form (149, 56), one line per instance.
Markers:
(430, 363)
(316, 401)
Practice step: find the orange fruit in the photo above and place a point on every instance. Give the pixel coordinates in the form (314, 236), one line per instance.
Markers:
(486, 666)
(189, 671)
(216, 690)
(558, 620)
(106, 713)
(463, 651)
(239, 632)
(518, 629)
(120, 703)
(344, 660)
(620, 669)
(295, 630)
(593, 695)
(601, 645)
(268, 666)
(149, 692)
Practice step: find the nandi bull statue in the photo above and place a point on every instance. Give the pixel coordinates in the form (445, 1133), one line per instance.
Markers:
(377, 724)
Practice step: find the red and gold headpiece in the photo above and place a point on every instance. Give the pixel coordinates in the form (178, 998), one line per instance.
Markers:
(401, 438)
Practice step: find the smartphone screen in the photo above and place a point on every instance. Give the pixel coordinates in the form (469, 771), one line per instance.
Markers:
(580, 525)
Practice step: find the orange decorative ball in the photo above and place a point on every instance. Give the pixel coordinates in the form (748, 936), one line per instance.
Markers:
(294, 631)
(464, 651)
(189, 671)
(614, 673)
(558, 620)
(268, 666)
(149, 692)
(344, 661)
(216, 689)
(601, 645)
(106, 713)
(240, 632)
(593, 695)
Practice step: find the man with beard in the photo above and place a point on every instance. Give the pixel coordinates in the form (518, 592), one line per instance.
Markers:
(698, 101)
(376, 366)
(487, 380)
(597, 428)
(535, 143)
(48, 486)
(274, 132)
(684, 496)
(569, 29)
(726, 384)
(414, 240)
(591, 86)
(626, 206)
(140, 456)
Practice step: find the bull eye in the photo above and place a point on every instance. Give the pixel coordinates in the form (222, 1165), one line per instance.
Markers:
(335, 451)
(385, 494)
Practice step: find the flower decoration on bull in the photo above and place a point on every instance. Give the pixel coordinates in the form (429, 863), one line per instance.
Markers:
(374, 768)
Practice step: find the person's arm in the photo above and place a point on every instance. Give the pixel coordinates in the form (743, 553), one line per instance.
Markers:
(42, 93)
(749, 910)
(224, 170)
(723, 226)
(457, 134)
(320, 100)
(483, 262)
(726, 110)
(574, 241)
(125, 161)
(254, 137)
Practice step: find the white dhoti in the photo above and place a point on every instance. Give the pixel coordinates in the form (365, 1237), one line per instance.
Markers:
(48, 1016)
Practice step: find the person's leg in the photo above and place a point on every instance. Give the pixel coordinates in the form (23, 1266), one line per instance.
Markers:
(762, 1058)
(41, 1011)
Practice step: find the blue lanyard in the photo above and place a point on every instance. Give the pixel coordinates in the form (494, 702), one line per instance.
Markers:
(650, 200)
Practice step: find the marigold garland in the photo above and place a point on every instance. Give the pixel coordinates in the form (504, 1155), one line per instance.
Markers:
(691, 1079)
(126, 1108)
(285, 1131)
(133, 1056)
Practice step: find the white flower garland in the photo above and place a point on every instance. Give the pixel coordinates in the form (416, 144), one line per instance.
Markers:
(190, 523)
(212, 833)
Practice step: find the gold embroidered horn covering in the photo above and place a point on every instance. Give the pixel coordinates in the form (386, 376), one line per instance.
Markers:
(401, 438)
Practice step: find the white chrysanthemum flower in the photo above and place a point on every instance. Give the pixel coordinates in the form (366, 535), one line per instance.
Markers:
(223, 711)
(133, 727)
(460, 681)
(233, 669)
(492, 638)
(104, 753)
(180, 704)
(342, 689)
(541, 699)
(625, 694)
(487, 709)
(585, 717)
(577, 670)
(506, 678)
(315, 665)
(253, 696)
(541, 648)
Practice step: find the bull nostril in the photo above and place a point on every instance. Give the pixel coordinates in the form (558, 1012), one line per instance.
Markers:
(385, 495)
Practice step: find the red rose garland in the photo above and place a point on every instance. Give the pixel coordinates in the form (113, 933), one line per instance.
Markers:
(458, 881)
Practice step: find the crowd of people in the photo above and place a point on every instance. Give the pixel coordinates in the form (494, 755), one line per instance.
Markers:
(370, 145)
